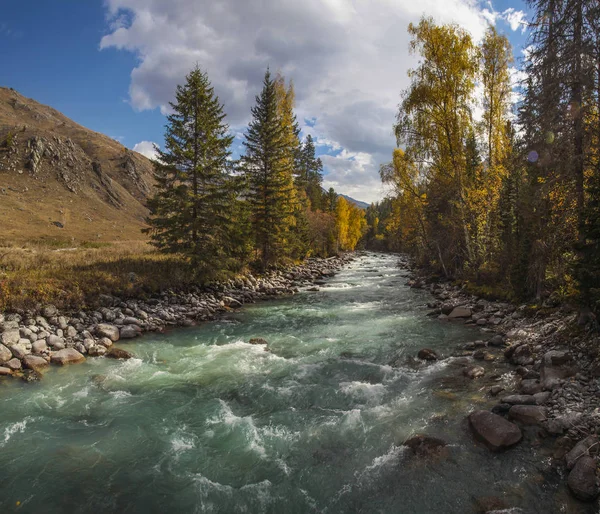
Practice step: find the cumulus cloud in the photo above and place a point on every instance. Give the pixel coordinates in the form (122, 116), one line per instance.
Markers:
(516, 19)
(146, 148)
(348, 61)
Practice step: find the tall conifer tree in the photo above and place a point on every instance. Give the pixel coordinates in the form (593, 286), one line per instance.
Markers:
(190, 211)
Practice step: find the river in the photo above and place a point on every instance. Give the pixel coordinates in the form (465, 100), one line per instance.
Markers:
(202, 421)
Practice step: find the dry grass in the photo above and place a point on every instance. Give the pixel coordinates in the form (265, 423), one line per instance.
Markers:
(72, 277)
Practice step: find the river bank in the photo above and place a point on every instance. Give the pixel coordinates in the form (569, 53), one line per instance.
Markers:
(32, 340)
(554, 384)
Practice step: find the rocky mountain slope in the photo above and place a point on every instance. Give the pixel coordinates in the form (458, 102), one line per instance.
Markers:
(62, 182)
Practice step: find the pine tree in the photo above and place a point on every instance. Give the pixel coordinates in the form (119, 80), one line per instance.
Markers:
(268, 173)
(190, 211)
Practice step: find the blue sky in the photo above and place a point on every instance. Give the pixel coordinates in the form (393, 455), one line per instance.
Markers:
(112, 65)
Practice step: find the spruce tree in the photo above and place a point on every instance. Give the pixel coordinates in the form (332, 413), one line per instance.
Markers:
(268, 173)
(190, 212)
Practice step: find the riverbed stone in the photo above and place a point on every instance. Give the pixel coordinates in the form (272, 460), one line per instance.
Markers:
(527, 414)
(39, 347)
(108, 330)
(130, 331)
(582, 448)
(496, 390)
(460, 312)
(519, 399)
(66, 356)
(582, 479)
(14, 364)
(495, 431)
(35, 362)
(473, 372)
(521, 355)
(530, 386)
(542, 397)
(118, 353)
(425, 446)
(22, 348)
(49, 311)
(5, 354)
(5, 371)
(105, 341)
(427, 354)
(496, 341)
(10, 337)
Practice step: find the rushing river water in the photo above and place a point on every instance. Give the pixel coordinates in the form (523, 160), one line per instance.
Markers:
(202, 421)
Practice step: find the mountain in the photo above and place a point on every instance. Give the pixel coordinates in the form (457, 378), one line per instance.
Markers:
(358, 203)
(59, 180)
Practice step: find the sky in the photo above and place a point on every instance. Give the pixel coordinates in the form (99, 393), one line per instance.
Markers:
(113, 65)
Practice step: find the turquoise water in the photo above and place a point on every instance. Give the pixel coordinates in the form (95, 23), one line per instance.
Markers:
(202, 421)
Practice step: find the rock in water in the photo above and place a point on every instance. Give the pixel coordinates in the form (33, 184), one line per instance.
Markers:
(495, 431)
(427, 355)
(459, 312)
(581, 449)
(34, 362)
(67, 356)
(130, 331)
(118, 353)
(527, 414)
(424, 446)
(474, 372)
(582, 479)
(258, 340)
(107, 330)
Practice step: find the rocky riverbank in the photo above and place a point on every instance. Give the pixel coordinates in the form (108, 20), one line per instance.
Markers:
(31, 341)
(553, 394)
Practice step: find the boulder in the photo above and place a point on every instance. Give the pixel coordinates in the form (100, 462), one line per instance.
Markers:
(258, 340)
(49, 311)
(551, 376)
(55, 342)
(527, 414)
(521, 355)
(107, 330)
(501, 408)
(5, 371)
(14, 364)
(530, 386)
(10, 337)
(582, 448)
(473, 372)
(519, 399)
(425, 446)
(39, 347)
(582, 479)
(130, 331)
(66, 356)
(22, 348)
(427, 355)
(542, 398)
(105, 341)
(35, 362)
(556, 358)
(460, 312)
(96, 350)
(496, 341)
(495, 431)
(118, 353)
(5, 354)
(496, 390)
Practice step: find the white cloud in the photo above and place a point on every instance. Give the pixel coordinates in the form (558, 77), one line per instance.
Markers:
(146, 148)
(348, 61)
(516, 19)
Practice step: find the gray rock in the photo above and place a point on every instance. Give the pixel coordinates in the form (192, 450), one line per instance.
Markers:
(49, 311)
(542, 397)
(71, 331)
(55, 342)
(521, 355)
(473, 372)
(582, 479)
(519, 399)
(582, 448)
(107, 330)
(10, 337)
(22, 348)
(551, 376)
(67, 356)
(130, 331)
(460, 312)
(530, 386)
(495, 431)
(556, 358)
(105, 341)
(496, 390)
(14, 364)
(496, 341)
(96, 350)
(35, 362)
(130, 320)
(527, 414)
(427, 355)
(62, 322)
(5, 354)
(118, 353)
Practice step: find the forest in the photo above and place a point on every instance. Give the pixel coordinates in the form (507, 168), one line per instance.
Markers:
(266, 208)
(495, 182)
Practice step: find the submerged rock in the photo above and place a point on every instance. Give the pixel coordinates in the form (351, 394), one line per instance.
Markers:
(427, 355)
(474, 372)
(493, 430)
(258, 340)
(66, 356)
(35, 362)
(425, 446)
(582, 479)
(118, 353)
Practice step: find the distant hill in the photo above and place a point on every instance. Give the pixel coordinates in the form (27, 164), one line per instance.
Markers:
(358, 203)
(59, 180)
